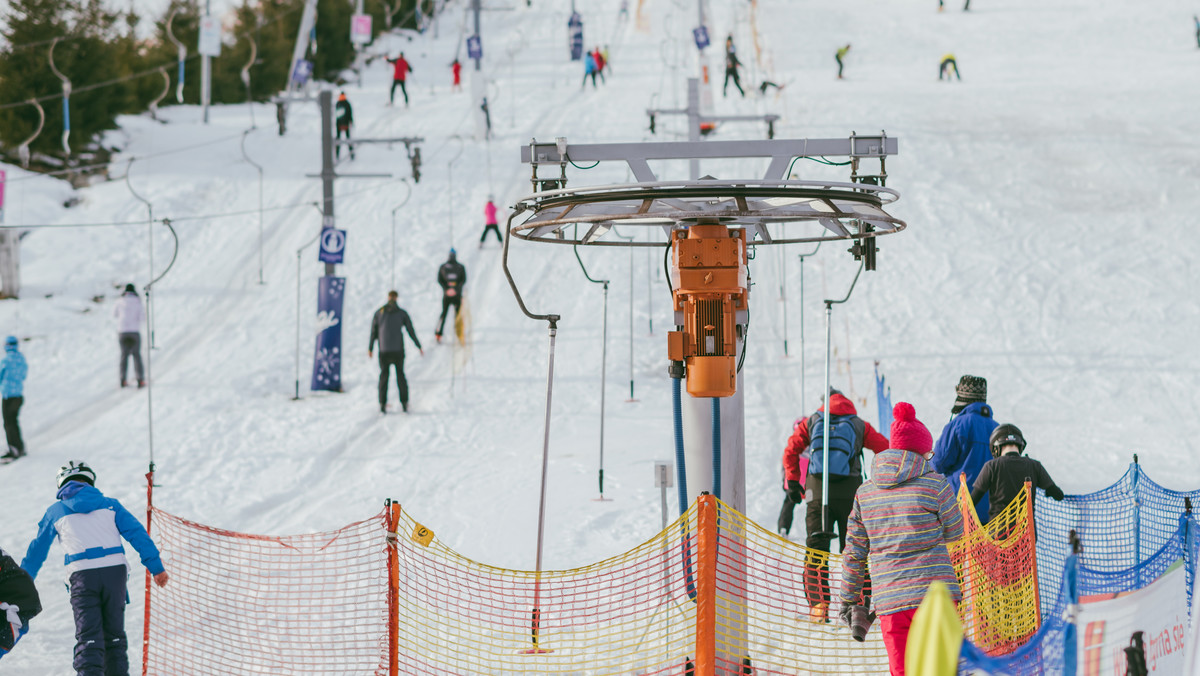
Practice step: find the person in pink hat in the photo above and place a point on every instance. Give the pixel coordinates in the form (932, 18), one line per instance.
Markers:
(902, 519)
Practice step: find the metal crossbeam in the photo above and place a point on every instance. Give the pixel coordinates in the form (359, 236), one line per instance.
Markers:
(406, 140)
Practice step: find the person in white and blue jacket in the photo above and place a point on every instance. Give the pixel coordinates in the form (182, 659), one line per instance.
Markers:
(89, 528)
(12, 390)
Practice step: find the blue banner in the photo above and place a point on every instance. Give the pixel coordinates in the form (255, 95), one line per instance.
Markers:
(304, 70)
(327, 360)
(333, 246)
(883, 398)
(575, 30)
(701, 36)
(475, 47)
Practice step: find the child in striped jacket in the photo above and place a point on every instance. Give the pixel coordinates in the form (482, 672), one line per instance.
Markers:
(902, 519)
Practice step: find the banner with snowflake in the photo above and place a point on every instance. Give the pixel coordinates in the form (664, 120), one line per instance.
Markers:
(327, 361)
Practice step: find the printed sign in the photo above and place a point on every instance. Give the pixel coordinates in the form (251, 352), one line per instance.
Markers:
(475, 47)
(1159, 610)
(210, 36)
(701, 36)
(333, 246)
(360, 29)
(327, 360)
(303, 71)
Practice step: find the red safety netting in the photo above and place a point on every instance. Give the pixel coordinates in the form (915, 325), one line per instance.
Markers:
(257, 604)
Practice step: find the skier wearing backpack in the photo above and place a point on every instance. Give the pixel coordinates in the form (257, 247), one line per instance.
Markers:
(964, 445)
(803, 465)
(452, 277)
(345, 118)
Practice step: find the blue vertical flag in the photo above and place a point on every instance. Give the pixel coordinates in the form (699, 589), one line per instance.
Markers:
(327, 360)
(883, 397)
(575, 35)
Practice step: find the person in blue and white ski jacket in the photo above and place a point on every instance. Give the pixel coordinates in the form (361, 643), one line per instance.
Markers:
(13, 370)
(89, 527)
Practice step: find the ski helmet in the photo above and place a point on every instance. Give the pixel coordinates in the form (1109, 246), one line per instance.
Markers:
(76, 471)
(1004, 435)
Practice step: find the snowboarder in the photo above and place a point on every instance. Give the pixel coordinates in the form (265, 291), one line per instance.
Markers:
(1002, 477)
(963, 447)
(452, 277)
(456, 70)
(89, 528)
(399, 75)
(848, 435)
(130, 316)
(345, 118)
(281, 116)
(19, 602)
(490, 222)
(12, 383)
(589, 68)
(948, 64)
(388, 327)
(902, 519)
(731, 69)
(840, 56)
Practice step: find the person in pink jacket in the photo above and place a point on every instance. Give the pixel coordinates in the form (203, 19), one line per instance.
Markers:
(490, 224)
(902, 519)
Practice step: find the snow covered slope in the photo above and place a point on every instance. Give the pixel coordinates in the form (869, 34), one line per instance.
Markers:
(1051, 248)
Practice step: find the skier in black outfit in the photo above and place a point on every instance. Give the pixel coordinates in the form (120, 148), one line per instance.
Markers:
(19, 601)
(731, 68)
(1006, 473)
(345, 118)
(452, 277)
(388, 327)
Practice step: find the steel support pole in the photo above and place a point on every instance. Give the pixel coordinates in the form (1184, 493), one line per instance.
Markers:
(206, 72)
(825, 441)
(327, 173)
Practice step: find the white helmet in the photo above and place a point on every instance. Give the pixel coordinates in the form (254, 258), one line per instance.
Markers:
(76, 471)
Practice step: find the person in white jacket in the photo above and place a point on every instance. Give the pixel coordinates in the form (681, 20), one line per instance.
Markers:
(130, 316)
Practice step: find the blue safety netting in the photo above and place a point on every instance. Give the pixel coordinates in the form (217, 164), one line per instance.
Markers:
(1120, 527)
(1044, 653)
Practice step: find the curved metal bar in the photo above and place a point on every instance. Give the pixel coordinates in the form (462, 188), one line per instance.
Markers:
(66, 89)
(394, 210)
(246, 81)
(23, 148)
(851, 289)
(181, 50)
(162, 95)
(174, 255)
(552, 318)
(259, 167)
(584, 268)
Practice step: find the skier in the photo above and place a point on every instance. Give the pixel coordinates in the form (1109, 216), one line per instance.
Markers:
(841, 54)
(589, 68)
(487, 118)
(731, 69)
(19, 602)
(399, 75)
(130, 316)
(345, 118)
(388, 327)
(963, 447)
(598, 57)
(281, 116)
(948, 63)
(456, 70)
(848, 435)
(12, 384)
(452, 277)
(902, 519)
(623, 13)
(89, 528)
(1005, 474)
(490, 223)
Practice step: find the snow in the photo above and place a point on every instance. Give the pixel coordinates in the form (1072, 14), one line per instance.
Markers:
(1049, 249)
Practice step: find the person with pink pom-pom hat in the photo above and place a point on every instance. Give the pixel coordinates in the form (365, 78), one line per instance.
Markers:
(902, 519)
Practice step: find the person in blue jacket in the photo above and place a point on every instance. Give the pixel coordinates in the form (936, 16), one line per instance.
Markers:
(89, 528)
(963, 449)
(12, 389)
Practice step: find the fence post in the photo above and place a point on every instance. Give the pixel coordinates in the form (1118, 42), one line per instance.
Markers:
(393, 598)
(1070, 633)
(1032, 525)
(146, 609)
(1137, 518)
(706, 585)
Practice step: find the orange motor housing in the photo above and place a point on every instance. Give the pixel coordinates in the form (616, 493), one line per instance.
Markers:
(712, 286)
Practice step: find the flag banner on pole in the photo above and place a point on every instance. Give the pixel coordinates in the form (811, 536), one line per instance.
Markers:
(883, 398)
(327, 360)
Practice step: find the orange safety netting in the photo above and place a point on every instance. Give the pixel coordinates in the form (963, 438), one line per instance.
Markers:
(714, 593)
(997, 569)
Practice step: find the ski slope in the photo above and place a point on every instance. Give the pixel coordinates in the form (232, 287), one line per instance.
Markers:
(1050, 198)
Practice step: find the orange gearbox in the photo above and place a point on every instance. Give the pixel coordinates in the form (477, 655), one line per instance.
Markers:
(711, 287)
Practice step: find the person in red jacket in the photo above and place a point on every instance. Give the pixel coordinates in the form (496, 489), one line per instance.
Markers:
(456, 69)
(403, 68)
(599, 57)
(804, 471)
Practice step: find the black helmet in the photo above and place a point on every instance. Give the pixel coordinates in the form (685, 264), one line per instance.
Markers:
(1006, 434)
(76, 471)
